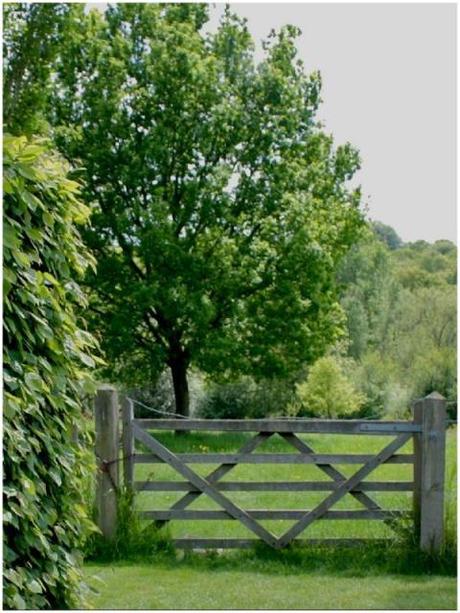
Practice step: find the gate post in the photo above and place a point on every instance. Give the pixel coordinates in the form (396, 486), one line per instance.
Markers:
(128, 442)
(429, 467)
(106, 417)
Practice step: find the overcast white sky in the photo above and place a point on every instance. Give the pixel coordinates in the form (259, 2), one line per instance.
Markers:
(389, 88)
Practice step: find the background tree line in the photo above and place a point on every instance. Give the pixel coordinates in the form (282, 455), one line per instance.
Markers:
(398, 342)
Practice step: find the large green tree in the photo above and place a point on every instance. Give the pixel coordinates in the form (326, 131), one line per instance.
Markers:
(220, 207)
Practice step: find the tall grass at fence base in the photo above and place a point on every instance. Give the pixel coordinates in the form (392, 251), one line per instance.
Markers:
(133, 540)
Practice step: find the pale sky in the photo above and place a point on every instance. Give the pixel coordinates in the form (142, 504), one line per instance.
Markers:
(389, 88)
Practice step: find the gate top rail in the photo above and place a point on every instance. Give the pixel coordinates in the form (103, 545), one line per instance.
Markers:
(324, 426)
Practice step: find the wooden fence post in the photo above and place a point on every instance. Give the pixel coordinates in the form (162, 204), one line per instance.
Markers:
(106, 416)
(429, 467)
(128, 442)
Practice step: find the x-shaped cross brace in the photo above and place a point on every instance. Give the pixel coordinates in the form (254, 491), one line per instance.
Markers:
(205, 485)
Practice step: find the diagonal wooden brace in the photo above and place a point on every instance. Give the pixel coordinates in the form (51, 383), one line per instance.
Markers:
(222, 470)
(332, 472)
(342, 490)
(205, 486)
(215, 475)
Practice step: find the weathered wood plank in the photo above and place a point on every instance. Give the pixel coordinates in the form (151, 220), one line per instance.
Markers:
(128, 441)
(331, 426)
(211, 514)
(205, 486)
(429, 469)
(272, 458)
(235, 543)
(331, 471)
(106, 417)
(343, 489)
(275, 486)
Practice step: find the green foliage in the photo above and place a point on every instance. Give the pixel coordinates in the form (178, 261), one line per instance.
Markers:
(46, 354)
(228, 400)
(32, 33)
(220, 208)
(369, 295)
(377, 377)
(160, 394)
(387, 234)
(327, 392)
(422, 264)
(400, 309)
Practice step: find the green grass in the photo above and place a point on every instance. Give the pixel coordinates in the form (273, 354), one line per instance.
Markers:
(161, 586)
(382, 577)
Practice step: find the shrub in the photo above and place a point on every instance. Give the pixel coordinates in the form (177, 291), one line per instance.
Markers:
(245, 398)
(46, 354)
(327, 392)
(228, 400)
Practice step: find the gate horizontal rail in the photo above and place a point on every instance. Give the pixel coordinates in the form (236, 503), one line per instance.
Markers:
(273, 458)
(305, 426)
(275, 486)
(270, 514)
(237, 543)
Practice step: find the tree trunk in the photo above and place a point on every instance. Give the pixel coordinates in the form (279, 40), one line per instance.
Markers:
(178, 366)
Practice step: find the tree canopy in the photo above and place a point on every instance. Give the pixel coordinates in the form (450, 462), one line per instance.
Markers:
(32, 36)
(220, 207)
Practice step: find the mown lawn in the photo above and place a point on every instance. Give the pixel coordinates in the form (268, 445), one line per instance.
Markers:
(155, 586)
(260, 580)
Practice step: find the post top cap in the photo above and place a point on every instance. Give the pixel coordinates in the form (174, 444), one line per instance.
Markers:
(106, 387)
(435, 396)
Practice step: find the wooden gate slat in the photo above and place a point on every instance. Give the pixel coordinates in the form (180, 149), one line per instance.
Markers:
(343, 489)
(205, 486)
(273, 458)
(275, 486)
(311, 426)
(284, 514)
(235, 543)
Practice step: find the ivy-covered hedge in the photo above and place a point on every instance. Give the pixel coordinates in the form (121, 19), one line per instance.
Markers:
(46, 356)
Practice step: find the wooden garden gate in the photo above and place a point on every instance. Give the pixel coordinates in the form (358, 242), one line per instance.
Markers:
(427, 430)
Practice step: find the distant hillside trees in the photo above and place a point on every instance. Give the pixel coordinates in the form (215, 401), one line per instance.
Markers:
(387, 234)
(400, 306)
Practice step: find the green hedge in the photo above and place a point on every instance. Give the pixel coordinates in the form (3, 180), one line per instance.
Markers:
(46, 356)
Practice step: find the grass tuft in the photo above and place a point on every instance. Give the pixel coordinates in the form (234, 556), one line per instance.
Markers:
(134, 540)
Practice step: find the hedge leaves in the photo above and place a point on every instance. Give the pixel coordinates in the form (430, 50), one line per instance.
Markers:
(46, 356)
